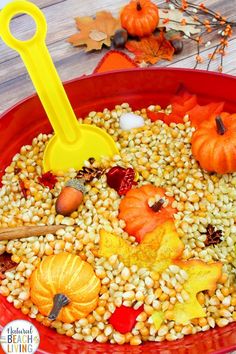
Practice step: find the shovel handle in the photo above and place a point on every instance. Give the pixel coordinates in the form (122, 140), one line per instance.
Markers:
(41, 69)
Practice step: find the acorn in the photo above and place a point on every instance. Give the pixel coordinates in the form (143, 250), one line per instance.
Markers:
(70, 197)
(177, 44)
(120, 38)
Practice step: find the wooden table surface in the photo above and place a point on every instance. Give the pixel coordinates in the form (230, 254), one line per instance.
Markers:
(73, 62)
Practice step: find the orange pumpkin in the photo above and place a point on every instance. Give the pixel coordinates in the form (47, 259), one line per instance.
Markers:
(214, 144)
(64, 287)
(140, 218)
(139, 18)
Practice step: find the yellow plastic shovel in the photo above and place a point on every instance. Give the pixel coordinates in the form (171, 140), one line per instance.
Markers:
(73, 143)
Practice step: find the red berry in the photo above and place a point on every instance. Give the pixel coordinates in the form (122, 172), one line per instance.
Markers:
(121, 179)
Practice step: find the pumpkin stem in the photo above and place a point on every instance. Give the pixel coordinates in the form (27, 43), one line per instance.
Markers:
(158, 205)
(221, 129)
(139, 7)
(59, 301)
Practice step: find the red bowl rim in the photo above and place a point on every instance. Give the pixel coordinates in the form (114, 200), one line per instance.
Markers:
(111, 72)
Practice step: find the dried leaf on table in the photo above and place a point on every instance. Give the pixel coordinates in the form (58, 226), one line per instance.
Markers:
(95, 32)
(173, 19)
(151, 49)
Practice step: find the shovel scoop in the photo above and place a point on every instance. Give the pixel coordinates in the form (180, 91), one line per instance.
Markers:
(72, 143)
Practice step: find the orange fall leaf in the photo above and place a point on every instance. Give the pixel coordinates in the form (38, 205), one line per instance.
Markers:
(151, 49)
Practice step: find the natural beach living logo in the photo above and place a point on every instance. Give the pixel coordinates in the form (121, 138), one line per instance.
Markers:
(19, 336)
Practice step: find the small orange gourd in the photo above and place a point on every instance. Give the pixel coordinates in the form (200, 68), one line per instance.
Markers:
(140, 218)
(64, 287)
(140, 17)
(214, 144)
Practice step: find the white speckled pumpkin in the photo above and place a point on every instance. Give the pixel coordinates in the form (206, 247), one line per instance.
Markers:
(64, 287)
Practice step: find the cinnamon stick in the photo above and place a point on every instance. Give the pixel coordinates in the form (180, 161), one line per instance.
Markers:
(12, 233)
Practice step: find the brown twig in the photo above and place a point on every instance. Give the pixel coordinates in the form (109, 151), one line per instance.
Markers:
(10, 233)
(210, 22)
(158, 205)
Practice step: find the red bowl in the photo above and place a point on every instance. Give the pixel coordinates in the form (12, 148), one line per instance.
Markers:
(140, 88)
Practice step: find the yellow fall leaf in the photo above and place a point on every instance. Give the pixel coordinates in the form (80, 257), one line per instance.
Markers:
(201, 276)
(156, 252)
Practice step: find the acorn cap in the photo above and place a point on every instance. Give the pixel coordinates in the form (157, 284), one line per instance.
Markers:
(77, 184)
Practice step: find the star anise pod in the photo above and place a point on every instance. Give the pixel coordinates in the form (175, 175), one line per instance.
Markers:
(89, 173)
(213, 236)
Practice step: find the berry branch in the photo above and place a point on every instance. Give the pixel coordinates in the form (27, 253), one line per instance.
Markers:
(210, 23)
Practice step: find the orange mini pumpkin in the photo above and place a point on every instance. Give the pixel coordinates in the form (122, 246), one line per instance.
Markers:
(214, 144)
(140, 218)
(140, 18)
(64, 287)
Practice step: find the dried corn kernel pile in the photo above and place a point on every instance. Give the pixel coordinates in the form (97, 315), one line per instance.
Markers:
(161, 155)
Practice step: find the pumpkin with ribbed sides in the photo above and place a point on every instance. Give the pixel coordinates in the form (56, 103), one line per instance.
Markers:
(64, 287)
(139, 17)
(139, 217)
(214, 144)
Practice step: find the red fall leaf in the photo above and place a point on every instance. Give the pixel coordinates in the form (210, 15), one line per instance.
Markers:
(48, 180)
(124, 318)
